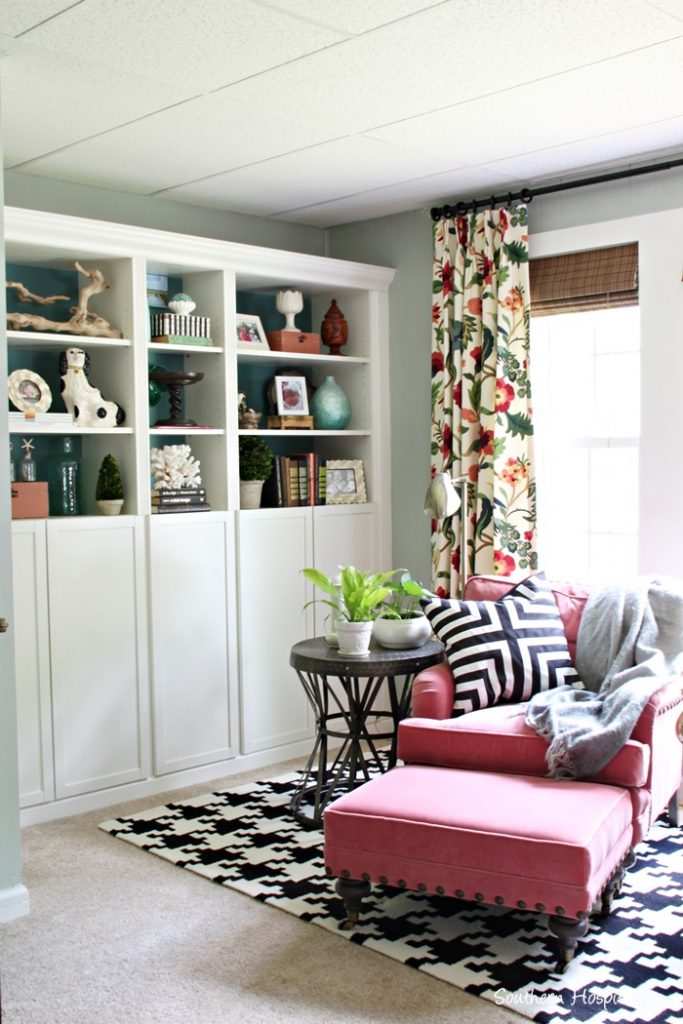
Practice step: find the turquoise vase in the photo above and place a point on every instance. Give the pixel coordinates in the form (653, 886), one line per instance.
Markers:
(330, 406)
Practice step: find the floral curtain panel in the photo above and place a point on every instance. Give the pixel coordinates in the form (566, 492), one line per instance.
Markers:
(481, 400)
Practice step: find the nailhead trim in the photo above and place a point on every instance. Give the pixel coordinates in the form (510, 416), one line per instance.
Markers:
(479, 897)
(402, 883)
(521, 904)
(382, 879)
(560, 910)
(346, 873)
(459, 893)
(440, 891)
(421, 887)
(499, 899)
(365, 876)
(540, 906)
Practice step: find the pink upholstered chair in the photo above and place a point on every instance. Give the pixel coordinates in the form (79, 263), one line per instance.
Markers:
(498, 738)
(471, 812)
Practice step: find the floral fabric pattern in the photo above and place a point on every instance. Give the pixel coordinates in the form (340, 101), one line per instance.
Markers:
(481, 395)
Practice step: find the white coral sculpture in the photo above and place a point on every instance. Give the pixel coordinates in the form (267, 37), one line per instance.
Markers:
(174, 466)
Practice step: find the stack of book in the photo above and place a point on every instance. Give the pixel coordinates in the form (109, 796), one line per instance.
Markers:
(187, 499)
(297, 479)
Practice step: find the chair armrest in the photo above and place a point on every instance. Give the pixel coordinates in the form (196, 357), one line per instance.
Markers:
(658, 728)
(433, 693)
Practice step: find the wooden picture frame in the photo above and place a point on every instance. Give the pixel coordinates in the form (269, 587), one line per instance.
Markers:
(250, 334)
(291, 396)
(345, 482)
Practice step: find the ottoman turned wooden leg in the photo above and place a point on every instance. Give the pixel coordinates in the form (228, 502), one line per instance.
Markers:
(568, 931)
(353, 892)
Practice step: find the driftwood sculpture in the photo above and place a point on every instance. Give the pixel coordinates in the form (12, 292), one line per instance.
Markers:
(81, 320)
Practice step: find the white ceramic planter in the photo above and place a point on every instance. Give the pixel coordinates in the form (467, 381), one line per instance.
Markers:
(353, 638)
(250, 493)
(110, 506)
(402, 634)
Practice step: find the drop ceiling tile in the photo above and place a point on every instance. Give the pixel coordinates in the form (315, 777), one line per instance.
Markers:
(193, 140)
(354, 17)
(384, 76)
(49, 101)
(632, 145)
(380, 202)
(554, 111)
(338, 168)
(672, 7)
(201, 46)
(16, 16)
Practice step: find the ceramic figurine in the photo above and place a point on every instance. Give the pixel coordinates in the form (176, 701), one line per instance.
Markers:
(334, 329)
(182, 304)
(289, 304)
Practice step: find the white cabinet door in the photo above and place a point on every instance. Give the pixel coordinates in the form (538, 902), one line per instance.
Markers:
(274, 546)
(343, 535)
(32, 638)
(193, 637)
(98, 643)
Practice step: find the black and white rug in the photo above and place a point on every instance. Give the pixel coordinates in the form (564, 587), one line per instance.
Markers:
(628, 968)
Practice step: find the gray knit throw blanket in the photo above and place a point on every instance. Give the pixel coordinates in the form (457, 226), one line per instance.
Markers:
(630, 642)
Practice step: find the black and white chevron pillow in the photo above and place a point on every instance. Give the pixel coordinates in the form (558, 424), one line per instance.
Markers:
(505, 651)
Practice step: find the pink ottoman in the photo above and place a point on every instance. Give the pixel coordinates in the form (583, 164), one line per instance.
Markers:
(519, 841)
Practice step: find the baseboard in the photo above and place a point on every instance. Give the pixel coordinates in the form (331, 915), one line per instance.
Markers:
(14, 902)
(85, 802)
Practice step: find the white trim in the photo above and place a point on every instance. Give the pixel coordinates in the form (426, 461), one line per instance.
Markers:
(14, 902)
(162, 784)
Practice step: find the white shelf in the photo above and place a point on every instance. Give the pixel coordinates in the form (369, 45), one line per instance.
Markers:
(65, 428)
(181, 431)
(44, 339)
(208, 349)
(305, 433)
(299, 357)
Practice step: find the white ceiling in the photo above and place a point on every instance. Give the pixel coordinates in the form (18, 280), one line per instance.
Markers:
(323, 112)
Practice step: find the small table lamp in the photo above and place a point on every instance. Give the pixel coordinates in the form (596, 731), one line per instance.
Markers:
(445, 496)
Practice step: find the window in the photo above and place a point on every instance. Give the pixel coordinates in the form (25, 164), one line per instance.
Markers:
(585, 371)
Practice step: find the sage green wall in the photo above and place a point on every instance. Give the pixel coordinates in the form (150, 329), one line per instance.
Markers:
(404, 241)
(11, 902)
(34, 193)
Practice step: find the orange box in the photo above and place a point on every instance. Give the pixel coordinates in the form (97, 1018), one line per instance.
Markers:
(30, 501)
(294, 341)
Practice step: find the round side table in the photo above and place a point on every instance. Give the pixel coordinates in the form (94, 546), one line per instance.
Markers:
(349, 697)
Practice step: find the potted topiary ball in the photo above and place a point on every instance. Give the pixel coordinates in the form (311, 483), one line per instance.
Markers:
(109, 490)
(256, 462)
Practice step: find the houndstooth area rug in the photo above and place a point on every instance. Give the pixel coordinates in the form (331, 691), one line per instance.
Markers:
(628, 967)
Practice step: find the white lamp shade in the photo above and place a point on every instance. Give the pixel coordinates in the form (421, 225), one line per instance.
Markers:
(442, 499)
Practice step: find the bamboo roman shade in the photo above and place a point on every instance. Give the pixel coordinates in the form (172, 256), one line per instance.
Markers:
(579, 281)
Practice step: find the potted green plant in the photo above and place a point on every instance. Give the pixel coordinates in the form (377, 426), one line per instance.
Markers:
(256, 462)
(109, 488)
(401, 624)
(355, 599)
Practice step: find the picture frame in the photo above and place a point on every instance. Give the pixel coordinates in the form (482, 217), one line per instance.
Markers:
(291, 396)
(250, 334)
(28, 392)
(345, 482)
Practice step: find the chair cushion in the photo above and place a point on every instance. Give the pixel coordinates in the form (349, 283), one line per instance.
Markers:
(503, 651)
(499, 740)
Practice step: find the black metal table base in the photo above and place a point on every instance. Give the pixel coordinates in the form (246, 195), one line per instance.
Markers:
(361, 735)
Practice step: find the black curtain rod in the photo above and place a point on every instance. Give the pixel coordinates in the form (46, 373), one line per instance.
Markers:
(525, 195)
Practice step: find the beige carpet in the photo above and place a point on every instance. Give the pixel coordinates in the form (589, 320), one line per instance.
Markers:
(117, 938)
